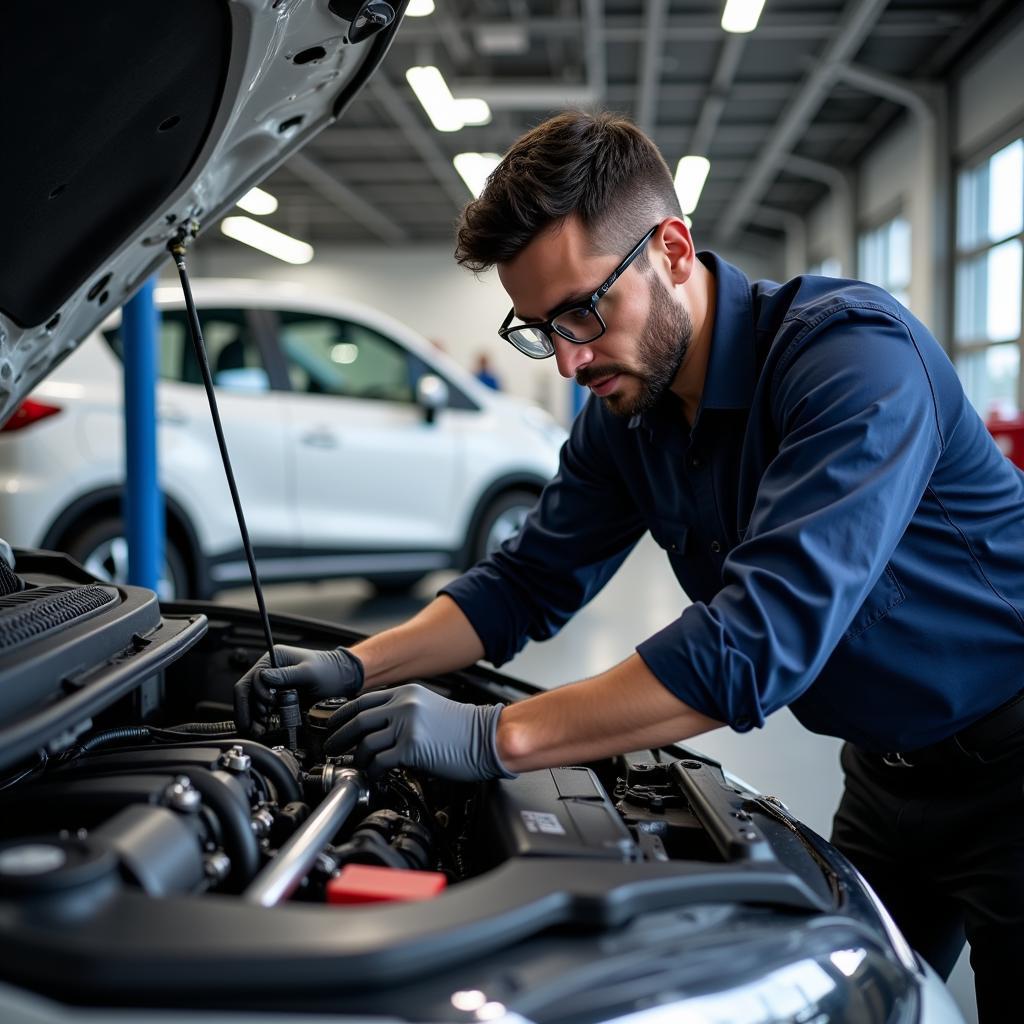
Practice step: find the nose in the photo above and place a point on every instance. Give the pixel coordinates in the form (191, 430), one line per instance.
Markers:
(570, 357)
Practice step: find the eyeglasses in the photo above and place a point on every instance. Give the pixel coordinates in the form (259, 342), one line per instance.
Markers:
(578, 322)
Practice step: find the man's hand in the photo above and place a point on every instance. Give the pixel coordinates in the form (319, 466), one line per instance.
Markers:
(323, 674)
(413, 727)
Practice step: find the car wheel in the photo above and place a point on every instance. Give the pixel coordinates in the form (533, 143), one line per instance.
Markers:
(502, 519)
(103, 550)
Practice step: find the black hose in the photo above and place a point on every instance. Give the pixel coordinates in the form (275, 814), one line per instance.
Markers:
(240, 842)
(264, 759)
(203, 728)
(130, 732)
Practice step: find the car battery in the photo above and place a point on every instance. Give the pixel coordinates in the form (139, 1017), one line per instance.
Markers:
(558, 812)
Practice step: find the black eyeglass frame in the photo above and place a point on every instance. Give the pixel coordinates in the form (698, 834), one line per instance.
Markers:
(549, 325)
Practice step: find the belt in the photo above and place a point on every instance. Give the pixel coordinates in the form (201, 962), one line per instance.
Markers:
(981, 742)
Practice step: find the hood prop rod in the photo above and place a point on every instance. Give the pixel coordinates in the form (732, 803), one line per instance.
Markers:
(176, 247)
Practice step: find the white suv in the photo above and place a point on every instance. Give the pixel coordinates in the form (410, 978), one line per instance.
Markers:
(359, 449)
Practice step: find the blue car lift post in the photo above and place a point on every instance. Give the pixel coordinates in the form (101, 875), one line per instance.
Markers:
(143, 505)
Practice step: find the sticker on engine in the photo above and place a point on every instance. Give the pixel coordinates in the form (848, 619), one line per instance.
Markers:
(541, 821)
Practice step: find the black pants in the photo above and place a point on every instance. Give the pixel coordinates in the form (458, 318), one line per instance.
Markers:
(944, 849)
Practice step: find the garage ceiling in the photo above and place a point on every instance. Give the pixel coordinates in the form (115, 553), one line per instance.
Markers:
(750, 103)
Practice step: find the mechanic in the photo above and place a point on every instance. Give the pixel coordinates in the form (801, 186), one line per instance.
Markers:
(850, 537)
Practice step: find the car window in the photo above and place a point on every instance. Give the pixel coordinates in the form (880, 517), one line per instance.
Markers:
(329, 356)
(234, 355)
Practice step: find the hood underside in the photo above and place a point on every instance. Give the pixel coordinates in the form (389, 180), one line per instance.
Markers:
(125, 120)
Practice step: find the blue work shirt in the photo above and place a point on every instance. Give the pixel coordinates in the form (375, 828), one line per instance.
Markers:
(849, 534)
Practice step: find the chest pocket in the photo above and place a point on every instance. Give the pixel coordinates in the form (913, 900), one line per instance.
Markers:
(885, 595)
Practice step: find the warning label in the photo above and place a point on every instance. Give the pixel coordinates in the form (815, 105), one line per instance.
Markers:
(541, 821)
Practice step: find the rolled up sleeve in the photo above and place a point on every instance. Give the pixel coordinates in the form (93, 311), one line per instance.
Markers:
(858, 440)
(582, 528)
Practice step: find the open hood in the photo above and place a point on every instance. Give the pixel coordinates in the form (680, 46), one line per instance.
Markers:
(125, 120)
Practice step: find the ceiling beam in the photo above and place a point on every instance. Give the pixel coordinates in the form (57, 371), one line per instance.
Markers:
(858, 19)
(593, 48)
(650, 64)
(420, 138)
(702, 28)
(526, 95)
(340, 195)
(718, 93)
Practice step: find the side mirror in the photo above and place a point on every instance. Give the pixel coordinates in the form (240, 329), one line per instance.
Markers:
(431, 395)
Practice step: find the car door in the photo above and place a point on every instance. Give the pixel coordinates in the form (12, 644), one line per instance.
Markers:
(253, 420)
(371, 474)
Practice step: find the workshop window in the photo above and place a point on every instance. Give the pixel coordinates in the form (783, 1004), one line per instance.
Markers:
(989, 285)
(883, 258)
(326, 355)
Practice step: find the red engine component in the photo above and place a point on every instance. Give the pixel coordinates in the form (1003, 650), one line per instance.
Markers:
(364, 883)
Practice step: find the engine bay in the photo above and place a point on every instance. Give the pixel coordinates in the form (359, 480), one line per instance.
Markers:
(138, 828)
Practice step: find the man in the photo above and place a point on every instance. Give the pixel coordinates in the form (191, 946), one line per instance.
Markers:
(485, 374)
(850, 536)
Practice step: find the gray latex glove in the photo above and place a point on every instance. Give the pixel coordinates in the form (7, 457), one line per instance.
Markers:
(321, 674)
(413, 727)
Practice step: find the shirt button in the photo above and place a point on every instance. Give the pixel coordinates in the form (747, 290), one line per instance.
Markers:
(694, 462)
(715, 546)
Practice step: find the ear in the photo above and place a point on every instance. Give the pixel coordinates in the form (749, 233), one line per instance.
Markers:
(674, 249)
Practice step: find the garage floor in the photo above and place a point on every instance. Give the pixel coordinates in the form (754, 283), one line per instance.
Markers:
(643, 597)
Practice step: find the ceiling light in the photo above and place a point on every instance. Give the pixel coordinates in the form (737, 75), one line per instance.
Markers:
(266, 239)
(741, 15)
(691, 174)
(446, 113)
(473, 111)
(507, 39)
(419, 8)
(473, 168)
(258, 202)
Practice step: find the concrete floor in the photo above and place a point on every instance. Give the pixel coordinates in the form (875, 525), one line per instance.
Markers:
(782, 759)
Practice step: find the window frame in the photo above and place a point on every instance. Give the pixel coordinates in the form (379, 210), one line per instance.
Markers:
(964, 255)
(885, 219)
(418, 365)
(259, 327)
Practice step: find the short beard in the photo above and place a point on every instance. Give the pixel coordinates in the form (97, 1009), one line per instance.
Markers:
(662, 348)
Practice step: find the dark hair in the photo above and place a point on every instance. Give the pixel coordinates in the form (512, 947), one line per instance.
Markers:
(600, 167)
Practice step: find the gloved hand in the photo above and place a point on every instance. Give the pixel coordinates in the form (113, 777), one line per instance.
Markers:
(323, 674)
(413, 727)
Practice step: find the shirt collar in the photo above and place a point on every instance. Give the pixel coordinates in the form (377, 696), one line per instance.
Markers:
(731, 374)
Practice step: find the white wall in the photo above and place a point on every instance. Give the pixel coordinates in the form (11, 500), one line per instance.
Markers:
(423, 287)
(990, 95)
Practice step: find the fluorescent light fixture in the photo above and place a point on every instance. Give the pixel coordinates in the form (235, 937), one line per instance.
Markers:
(446, 113)
(691, 174)
(473, 111)
(473, 168)
(419, 8)
(741, 15)
(258, 202)
(266, 239)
